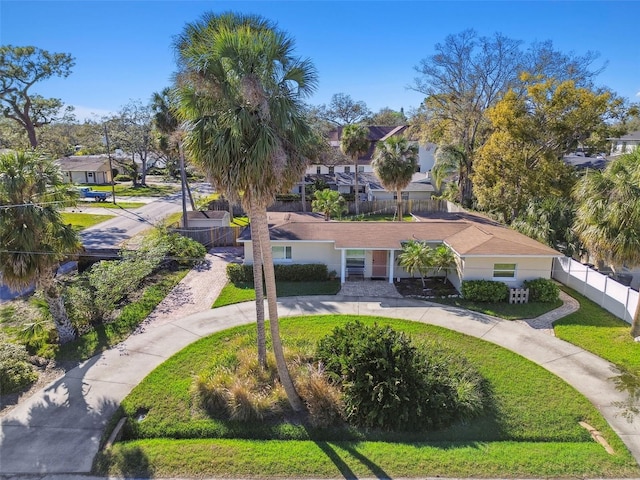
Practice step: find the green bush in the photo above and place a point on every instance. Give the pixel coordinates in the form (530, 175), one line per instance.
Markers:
(184, 250)
(485, 291)
(390, 384)
(15, 370)
(542, 290)
(312, 272)
(122, 177)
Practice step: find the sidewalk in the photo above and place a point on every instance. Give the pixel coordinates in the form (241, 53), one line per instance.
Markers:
(58, 430)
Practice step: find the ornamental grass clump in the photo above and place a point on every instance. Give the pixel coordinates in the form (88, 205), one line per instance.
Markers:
(390, 384)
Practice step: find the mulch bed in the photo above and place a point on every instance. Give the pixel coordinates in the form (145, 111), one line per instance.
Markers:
(434, 287)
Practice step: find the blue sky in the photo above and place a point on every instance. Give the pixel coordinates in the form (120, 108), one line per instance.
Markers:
(367, 49)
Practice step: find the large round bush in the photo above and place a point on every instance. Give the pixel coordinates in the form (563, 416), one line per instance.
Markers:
(391, 384)
(15, 370)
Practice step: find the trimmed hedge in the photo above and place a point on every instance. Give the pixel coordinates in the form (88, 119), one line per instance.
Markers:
(312, 272)
(485, 291)
(542, 290)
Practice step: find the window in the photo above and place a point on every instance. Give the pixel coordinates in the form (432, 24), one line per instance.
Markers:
(347, 169)
(318, 170)
(331, 170)
(504, 270)
(281, 252)
(361, 169)
(355, 259)
(90, 174)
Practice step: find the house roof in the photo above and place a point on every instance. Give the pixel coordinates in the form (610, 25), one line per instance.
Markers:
(83, 163)
(629, 136)
(467, 234)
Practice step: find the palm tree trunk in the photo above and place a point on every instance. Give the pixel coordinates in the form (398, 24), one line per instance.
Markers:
(357, 193)
(66, 331)
(257, 285)
(399, 204)
(259, 216)
(635, 324)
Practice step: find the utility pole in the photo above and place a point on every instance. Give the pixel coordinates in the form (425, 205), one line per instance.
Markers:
(183, 178)
(113, 184)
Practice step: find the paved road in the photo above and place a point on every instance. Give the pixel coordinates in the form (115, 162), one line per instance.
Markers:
(59, 429)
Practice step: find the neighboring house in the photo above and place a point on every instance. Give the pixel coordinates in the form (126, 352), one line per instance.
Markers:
(625, 144)
(209, 218)
(484, 249)
(85, 169)
(420, 188)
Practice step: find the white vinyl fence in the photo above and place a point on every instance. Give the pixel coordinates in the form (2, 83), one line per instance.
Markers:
(603, 290)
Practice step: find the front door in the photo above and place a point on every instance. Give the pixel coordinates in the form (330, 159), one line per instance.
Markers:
(379, 266)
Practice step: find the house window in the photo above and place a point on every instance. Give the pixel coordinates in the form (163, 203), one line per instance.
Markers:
(355, 259)
(504, 270)
(90, 174)
(347, 169)
(331, 170)
(281, 252)
(361, 168)
(318, 170)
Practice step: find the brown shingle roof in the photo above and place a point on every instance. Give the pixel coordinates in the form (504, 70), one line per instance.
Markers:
(84, 163)
(465, 233)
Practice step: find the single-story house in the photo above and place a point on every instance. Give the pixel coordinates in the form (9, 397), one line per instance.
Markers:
(625, 144)
(85, 169)
(483, 248)
(208, 218)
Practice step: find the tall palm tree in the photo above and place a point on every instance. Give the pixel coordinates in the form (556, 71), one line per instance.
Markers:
(395, 162)
(608, 215)
(33, 236)
(240, 90)
(354, 144)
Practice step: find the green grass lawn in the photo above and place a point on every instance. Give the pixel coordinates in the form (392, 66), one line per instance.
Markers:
(244, 292)
(109, 204)
(508, 311)
(599, 332)
(127, 190)
(530, 428)
(80, 221)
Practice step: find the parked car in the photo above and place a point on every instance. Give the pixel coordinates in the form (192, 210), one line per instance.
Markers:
(87, 192)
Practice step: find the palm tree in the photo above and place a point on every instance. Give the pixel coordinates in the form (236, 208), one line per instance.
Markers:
(354, 144)
(395, 162)
(416, 257)
(329, 203)
(608, 215)
(33, 236)
(240, 91)
(442, 259)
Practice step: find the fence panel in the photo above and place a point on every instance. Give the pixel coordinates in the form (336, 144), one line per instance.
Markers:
(611, 295)
(211, 236)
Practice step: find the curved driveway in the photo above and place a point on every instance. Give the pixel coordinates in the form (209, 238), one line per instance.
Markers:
(59, 429)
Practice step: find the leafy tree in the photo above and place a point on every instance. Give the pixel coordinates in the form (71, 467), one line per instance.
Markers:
(394, 162)
(131, 130)
(328, 202)
(468, 74)
(522, 158)
(20, 69)
(387, 117)
(343, 110)
(416, 257)
(354, 144)
(33, 236)
(608, 214)
(240, 89)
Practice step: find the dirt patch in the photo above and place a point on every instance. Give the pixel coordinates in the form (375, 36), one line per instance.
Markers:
(433, 287)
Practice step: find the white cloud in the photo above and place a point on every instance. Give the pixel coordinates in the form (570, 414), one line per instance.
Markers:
(87, 113)
(638, 94)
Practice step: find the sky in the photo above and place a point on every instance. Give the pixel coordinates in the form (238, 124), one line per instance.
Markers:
(123, 50)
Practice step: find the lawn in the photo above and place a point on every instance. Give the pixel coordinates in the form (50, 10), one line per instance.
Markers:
(127, 190)
(244, 292)
(529, 428)
(508, 311)
(80, 221)
(109, 204)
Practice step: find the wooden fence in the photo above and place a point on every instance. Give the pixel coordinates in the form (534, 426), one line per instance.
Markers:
(211, 236)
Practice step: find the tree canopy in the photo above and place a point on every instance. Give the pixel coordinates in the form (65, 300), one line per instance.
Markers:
(20, 69)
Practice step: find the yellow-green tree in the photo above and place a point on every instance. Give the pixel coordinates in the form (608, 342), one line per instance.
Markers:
(522, 158)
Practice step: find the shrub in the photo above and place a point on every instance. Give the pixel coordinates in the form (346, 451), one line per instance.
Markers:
(390, 384)
(315, 272)
(542, 290)
(15, 370)
(485, 291)
(182, 249)
(122, 177)
(323, 400)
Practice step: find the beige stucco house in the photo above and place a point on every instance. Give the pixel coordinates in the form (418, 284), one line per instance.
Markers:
(484, 249)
